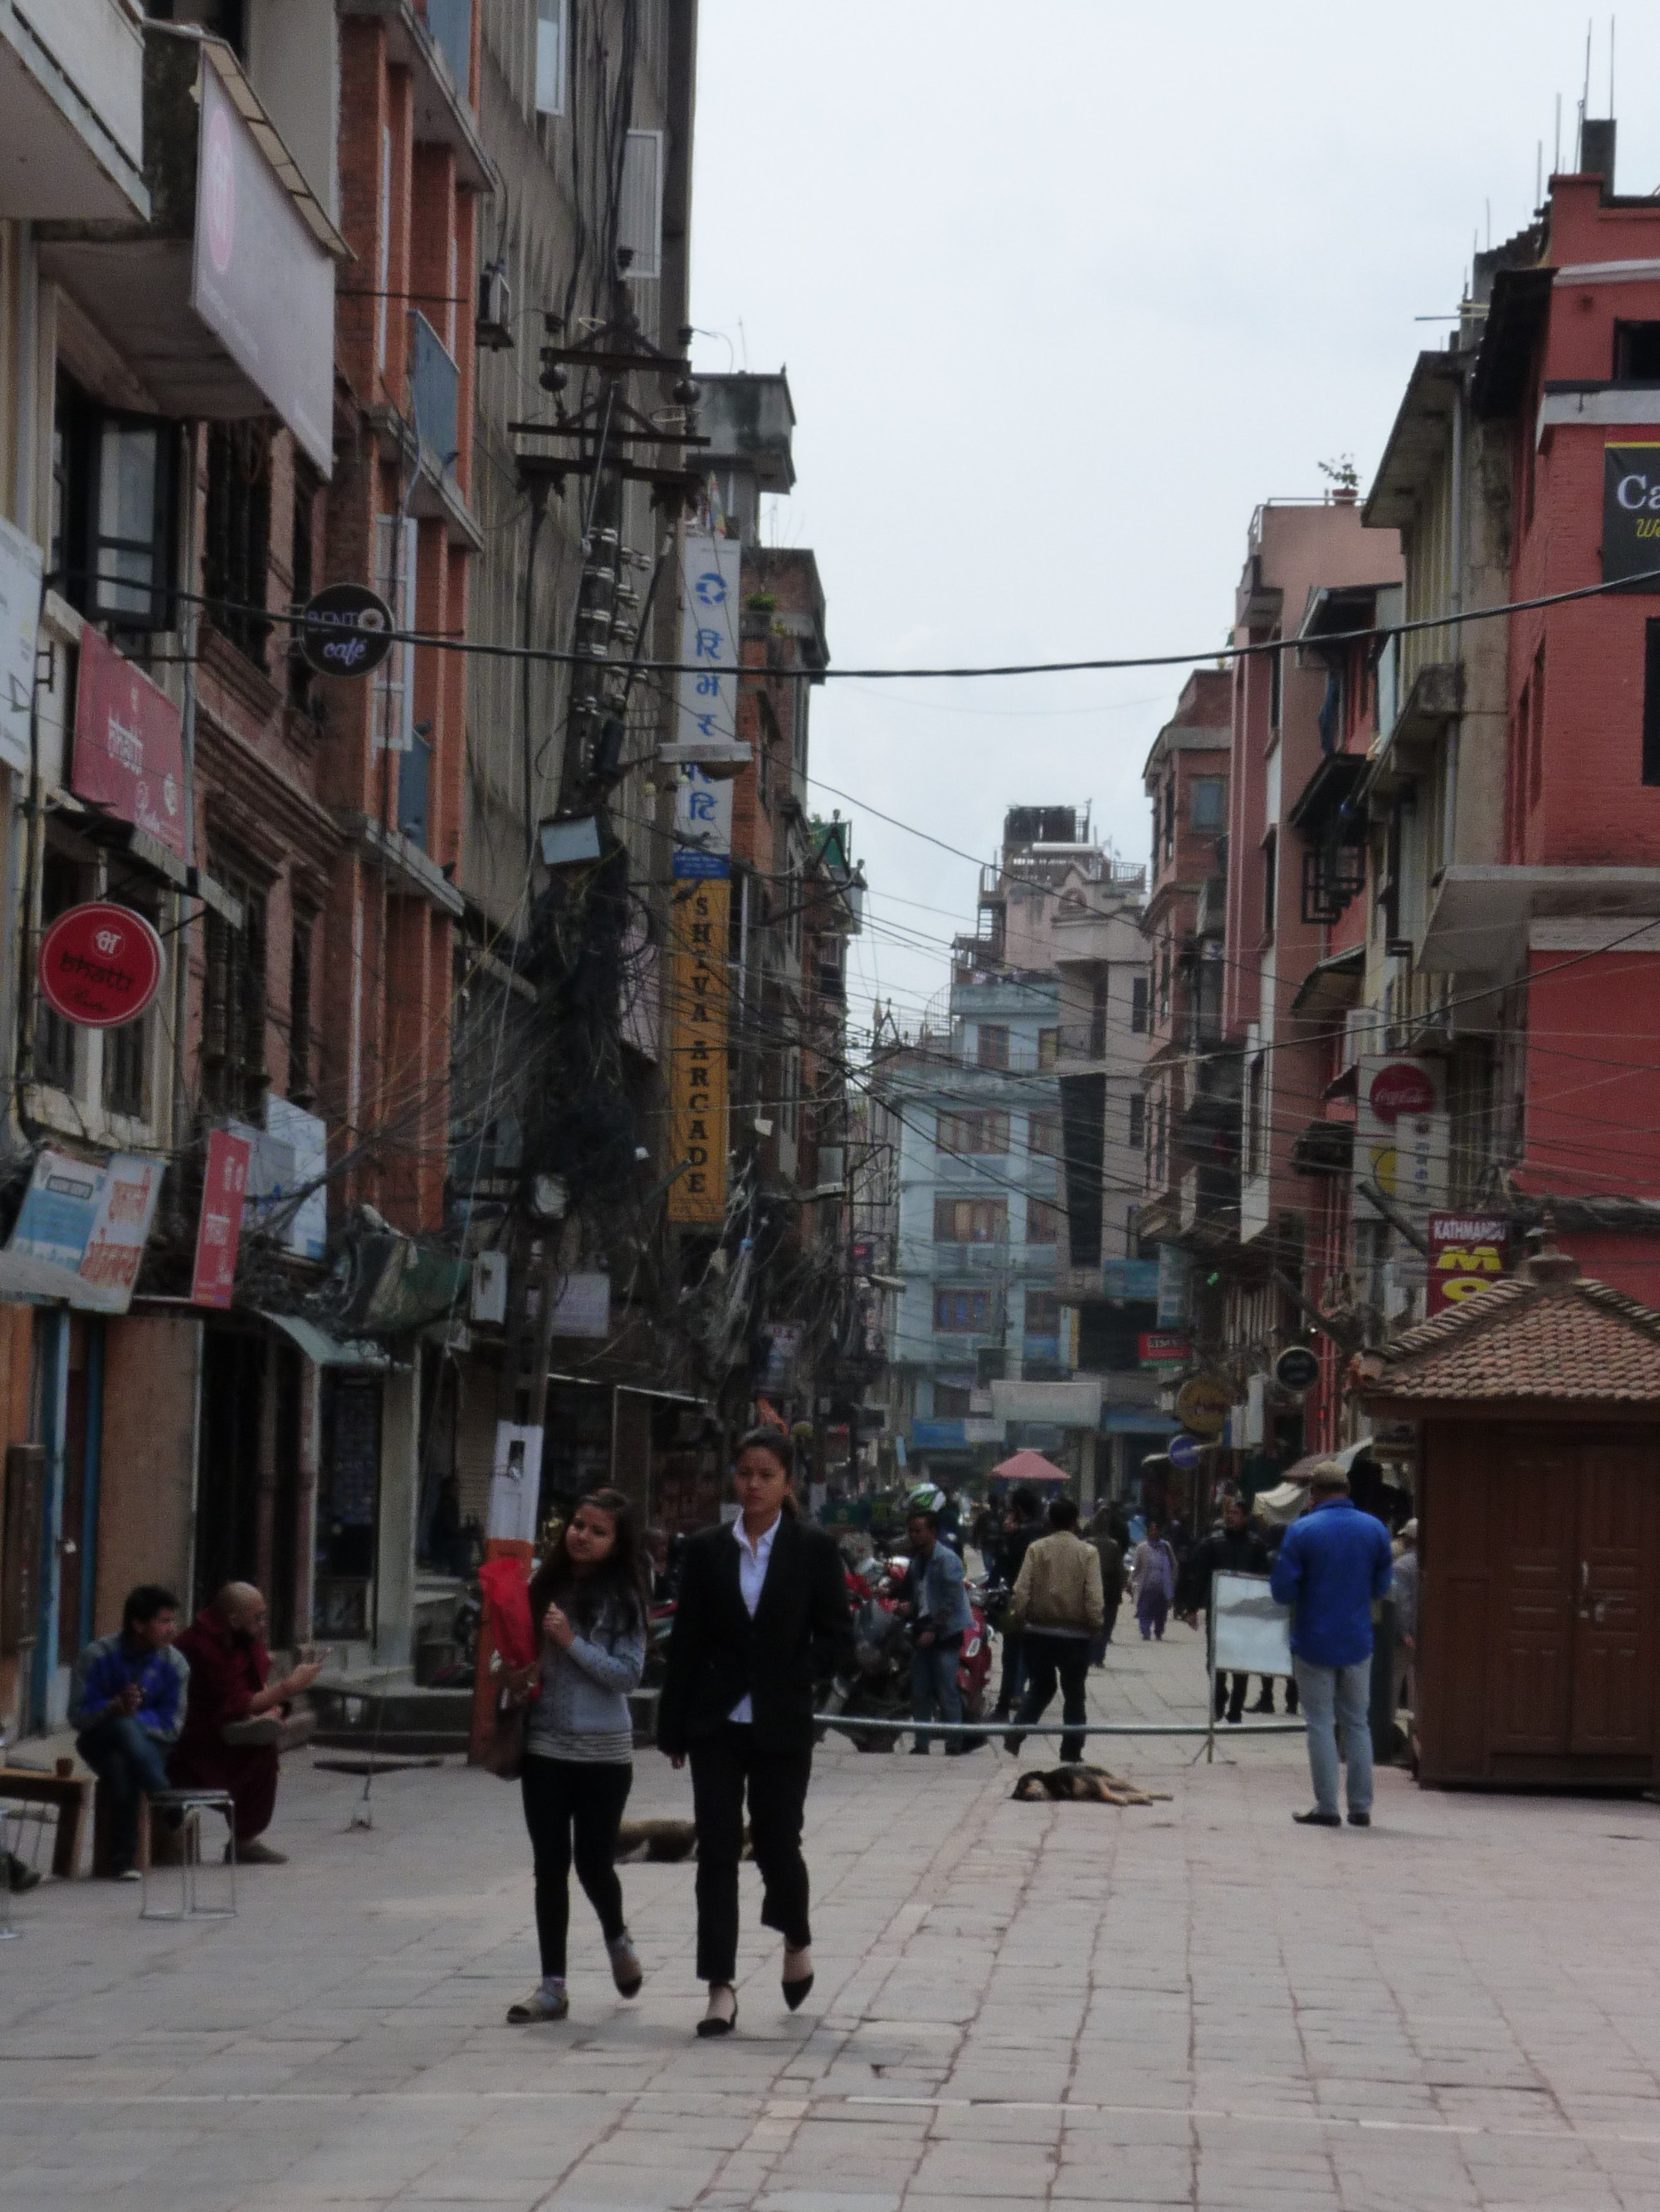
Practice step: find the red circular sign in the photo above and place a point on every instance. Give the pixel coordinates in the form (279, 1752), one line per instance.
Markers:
(99, 965)
(1399, 1089)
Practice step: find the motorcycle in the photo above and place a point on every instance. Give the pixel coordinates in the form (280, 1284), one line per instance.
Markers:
(879, 1687)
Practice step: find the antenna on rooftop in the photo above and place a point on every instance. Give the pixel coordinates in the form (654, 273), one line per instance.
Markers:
(1584, 105)
(1556, 157)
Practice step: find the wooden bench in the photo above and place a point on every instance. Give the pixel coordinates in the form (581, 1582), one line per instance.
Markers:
(72, 1795)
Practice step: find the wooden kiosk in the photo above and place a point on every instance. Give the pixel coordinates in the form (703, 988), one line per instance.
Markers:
(1538, 1406)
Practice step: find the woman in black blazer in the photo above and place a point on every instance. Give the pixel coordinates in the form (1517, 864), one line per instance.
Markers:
(762, 1617)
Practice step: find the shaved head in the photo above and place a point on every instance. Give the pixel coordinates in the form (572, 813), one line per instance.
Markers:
(239, 1605)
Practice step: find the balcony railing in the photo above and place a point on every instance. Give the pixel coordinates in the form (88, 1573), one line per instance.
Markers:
(435, 394)
(450, 22)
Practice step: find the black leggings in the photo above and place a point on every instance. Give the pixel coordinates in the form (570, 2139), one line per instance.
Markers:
(561, 1795)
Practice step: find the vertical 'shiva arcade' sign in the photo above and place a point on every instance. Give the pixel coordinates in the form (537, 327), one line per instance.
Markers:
(700, 911)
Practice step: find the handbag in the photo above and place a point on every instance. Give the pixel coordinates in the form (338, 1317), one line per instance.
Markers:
(503, 1750)
(503, 1753)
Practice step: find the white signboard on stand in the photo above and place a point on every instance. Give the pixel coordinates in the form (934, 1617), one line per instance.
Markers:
(1251, 1628)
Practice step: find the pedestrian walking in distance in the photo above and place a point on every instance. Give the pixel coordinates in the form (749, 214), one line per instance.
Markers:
(1235, 1548)
(1057, 1608)
(1108, 1533)
(1406, 1586)
(1152, 1582)
(587, 1601)
(1021, 1530)
(932, 1599)
(762, 1617)
(1333, 1562)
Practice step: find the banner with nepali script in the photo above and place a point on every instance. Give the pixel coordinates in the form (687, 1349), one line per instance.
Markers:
(698, 928)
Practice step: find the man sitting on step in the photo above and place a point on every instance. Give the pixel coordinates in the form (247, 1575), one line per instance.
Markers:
(231, 1729)
(127, 1703)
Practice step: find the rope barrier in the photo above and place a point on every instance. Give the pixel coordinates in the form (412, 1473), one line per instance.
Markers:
(852, 1723)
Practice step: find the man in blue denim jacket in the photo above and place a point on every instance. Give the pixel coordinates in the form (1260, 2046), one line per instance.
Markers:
(937, 1606)
(1333, 1564)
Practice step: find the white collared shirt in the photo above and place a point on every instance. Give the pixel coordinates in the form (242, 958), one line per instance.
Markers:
(751, 1574)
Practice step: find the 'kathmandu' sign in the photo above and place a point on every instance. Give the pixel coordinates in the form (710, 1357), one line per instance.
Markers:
(1630, 516)
(1467, 1253)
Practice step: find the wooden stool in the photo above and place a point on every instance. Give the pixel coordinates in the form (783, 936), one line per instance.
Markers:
(71, 1793)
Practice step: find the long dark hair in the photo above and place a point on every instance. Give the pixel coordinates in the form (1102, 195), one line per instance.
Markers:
(620, 1575)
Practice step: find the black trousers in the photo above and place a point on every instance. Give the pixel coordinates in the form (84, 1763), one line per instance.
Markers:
(1049, 1660)
(565, 1797)
(722, 1765)
(1231, 1693)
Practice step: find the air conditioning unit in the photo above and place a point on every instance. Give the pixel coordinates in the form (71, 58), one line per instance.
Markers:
(494, 326)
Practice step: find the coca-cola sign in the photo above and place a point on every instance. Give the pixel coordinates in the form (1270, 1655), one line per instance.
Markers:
(1401, 1087)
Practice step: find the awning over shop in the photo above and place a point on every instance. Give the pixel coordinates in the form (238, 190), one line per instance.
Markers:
(324, 1350)
(23, 1278)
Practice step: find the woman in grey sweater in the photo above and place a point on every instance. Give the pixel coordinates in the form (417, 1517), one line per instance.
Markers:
(589, 1599)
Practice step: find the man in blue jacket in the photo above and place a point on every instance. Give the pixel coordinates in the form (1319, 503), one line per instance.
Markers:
(934, 1600)
(1333, 1562)
(127, 1703)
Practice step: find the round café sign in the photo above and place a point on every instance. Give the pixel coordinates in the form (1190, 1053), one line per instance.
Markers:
(345, 629)
(99, 965)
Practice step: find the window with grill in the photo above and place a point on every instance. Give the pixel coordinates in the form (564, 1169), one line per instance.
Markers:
(1208, 798)
(64, 881)
(234, 1077)
(112, 511)
(970, 1220)
(1043, 1222)
(552, 39)
(300, 1088)
(1048, 1048)
(302, 682)
(1138, 1118)
(991, 1045)
(235, 552)
(1043, 1136)
(127, 1050)
(972, 1132)
(965, 1313)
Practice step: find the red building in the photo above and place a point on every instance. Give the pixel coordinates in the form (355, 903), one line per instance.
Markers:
(1559, 930)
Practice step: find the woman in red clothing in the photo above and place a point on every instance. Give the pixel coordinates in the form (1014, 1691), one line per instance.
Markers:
(232, 1715)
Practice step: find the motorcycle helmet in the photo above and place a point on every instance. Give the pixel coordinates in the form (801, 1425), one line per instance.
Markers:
(927, 1497)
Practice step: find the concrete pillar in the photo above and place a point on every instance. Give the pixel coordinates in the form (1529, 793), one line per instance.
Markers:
(400, 1494)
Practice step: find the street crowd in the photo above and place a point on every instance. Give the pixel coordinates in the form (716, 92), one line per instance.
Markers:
(762, 1622)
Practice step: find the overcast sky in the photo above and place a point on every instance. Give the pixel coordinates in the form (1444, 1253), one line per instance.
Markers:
(1064, 291)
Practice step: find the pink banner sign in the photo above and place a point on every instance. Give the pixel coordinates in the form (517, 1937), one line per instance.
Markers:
(129, 744)
(220, 1229)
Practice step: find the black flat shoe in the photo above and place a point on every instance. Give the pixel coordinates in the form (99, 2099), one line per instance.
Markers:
(712, 2024)
(1317, 1819)
(1359, 1820)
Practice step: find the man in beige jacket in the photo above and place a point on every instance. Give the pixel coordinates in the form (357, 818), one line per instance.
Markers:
(1057, 1607)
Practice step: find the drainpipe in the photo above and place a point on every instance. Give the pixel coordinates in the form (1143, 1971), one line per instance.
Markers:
(1456, 606)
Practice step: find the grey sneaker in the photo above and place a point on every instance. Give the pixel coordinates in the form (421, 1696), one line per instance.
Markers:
(625, 1968)
(539, 2005)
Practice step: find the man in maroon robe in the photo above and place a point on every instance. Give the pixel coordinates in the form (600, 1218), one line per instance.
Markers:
(234, 1714)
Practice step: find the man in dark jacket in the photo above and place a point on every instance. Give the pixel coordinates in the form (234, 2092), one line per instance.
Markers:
(1235, 1548)
(1333, 1563)
(1021, 1529)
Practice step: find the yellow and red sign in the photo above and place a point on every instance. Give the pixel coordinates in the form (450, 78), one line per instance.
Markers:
(1466, 1254)
(698, 1021)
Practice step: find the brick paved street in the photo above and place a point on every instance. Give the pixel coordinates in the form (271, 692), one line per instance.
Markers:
(1196, 2004)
